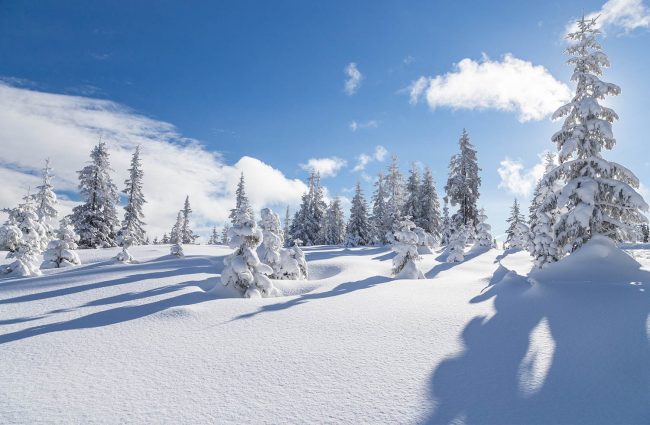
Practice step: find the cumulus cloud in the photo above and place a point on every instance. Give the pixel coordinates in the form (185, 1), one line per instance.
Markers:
(627, 15)
(354, 125)
(512, 85)
(364, 159)
(327, 167)
(36, 125)
(517, 179)
(353, 81)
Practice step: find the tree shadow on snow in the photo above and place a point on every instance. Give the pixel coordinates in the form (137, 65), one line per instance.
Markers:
(595, 371)
(327, 252)
(342, 289)
(115, 315)
(443, 265)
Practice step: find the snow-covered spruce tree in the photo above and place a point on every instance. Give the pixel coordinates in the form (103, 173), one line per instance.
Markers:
(165, 239)
(379, 219)
(457, 243)
(517, 232)
(125, 240)
(411, 207)
(155, 241)
(644, 233)
(359, 230)
(176, 249)
(447, 230)
(242, 204)
(394, 186)
(426, 241)
(45, 200)
(61, 251)
(132, 226)
(293, 263)
(463, 183)
(30, 235)
(243, 269)
(429, 218)
(308, 220)
(95, 220)
(598, 196)
(286, 230)
(175, 234)
(542, 218)
(318, 212)
(214, 237)
(334, 228)
(405, 246)
(272, 241)
(483, 230)
(186, 235)
(224, 234)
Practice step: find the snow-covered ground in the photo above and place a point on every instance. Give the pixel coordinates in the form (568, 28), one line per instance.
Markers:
(476, 342)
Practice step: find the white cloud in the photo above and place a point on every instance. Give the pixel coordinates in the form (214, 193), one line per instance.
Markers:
(36, 125)
(516, 179)
(327, 167)
(512, 85)
(364, 159)
(624, 14)
(353, 82)
(354, 125)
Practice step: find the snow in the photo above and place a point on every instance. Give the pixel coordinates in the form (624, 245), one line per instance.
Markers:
(161, 341)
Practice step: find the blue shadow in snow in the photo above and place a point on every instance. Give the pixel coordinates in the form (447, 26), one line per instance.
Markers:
(443, 266)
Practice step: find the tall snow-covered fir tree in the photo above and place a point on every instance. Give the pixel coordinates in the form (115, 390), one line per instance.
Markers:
(29, 235)
(133, 216)
(412, 201)
(463, 183)
(95, 220)
(318, 212)
(379, 218)
(542, 218)
(334, 228)
(272, 241)
(394, 183)
(598, 196)
(45, 200)
(405, 246)
(359, 230)
(286, 229)
(224, 233)
(309, 219)
(517, 232)
(447, 228)
(242, 204)
(214, 237)
(175, 236)
(187, 236)
(429, 218)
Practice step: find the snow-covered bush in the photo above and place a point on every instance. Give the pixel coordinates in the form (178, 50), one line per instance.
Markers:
(483, 230)
(176, 249)
(426, 241)
(125, 240)
(293, 265)
(28, 234)
(61, 251)
(405, 245)
(457, 244)
(272, 242)
(243, 269)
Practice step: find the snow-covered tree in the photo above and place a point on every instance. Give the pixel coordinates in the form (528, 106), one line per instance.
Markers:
(457, 242)
(405, 246)
(318, 212)
(598, 196)
(272, 241)
(45, 200)
(243, 269)
(334, 228)
(542, 218)
(175, 236)
(309, 219)
(293, 265)
(214, 237)
(359, 230)
(644, 233)
(411, 207)
(394, 186)
(242, 204)
(132, 225)
(447, 228)
(380, 220)
(463, 184)
(155, 240)
(483, 230)
(517, 232)
(95, 220)
(224, 234)
(29, 233)
(176, 249)
(125, 240)
(165, 239)
(61, 251)
(429, 218)
(186, 234)
(286, 230)
(426, 241)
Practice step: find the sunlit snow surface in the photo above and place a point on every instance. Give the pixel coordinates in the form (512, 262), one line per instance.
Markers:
(476, 342)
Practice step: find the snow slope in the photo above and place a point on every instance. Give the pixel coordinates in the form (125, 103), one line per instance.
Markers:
(476, 342)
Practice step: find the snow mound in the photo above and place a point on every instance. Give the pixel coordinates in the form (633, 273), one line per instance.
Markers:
(598, 261)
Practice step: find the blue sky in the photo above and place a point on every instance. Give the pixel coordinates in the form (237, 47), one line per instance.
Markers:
(266, 79)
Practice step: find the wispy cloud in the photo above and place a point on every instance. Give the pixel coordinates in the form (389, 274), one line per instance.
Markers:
(517, 179)
(627, 15)
(36, 125)
(353, 82)
(326, 167)
(364, 159)
(512, 85)
(354, 125)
